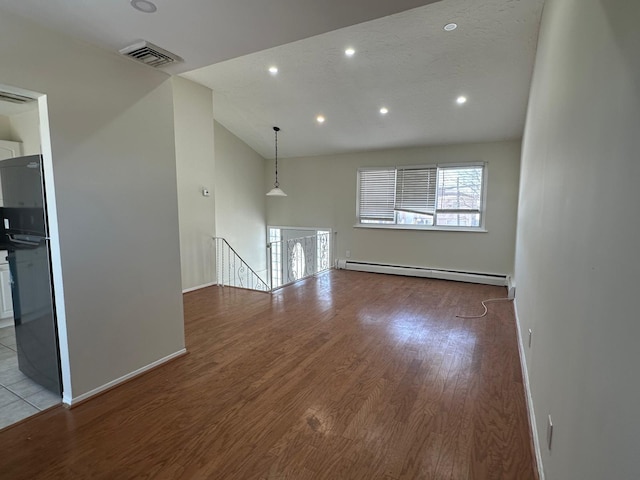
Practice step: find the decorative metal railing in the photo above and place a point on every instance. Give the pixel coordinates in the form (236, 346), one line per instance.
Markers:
(297, 258)
(290, 260)
(233, 271)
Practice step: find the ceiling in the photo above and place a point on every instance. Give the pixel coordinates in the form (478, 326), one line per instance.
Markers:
(203, 32)
(404, 61)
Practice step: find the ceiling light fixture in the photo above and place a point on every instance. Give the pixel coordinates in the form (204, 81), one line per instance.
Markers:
(349, 52)
(144, 6)
(320, 119)
(275, 191)
(384, 110)
(273, 70)
(461, 100)
(450, 27)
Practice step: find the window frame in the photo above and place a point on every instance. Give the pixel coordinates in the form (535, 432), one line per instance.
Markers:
(395, 226)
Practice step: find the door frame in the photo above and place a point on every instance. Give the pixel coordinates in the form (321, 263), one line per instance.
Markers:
(54, 248)
(54, 234)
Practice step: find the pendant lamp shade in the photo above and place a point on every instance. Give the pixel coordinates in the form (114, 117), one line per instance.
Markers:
(276, 191)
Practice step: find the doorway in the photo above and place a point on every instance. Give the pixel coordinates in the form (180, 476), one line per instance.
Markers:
(28, 332)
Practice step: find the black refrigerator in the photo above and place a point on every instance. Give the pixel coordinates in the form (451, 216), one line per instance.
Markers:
(24, 234)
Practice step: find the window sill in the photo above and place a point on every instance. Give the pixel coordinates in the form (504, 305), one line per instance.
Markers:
(422, 229)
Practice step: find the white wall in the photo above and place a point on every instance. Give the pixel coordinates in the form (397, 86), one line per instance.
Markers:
(113, 153)
(322, 193)
(25, 128)
(193, 110)
(577, 257)
(5, 128)
(209, 156)
(240, 198)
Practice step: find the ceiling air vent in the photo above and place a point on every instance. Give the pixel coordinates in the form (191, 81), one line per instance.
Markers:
(15, 98)
(150, 54)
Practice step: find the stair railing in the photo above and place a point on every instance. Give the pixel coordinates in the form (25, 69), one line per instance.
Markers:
(233, 271)
(295, 259)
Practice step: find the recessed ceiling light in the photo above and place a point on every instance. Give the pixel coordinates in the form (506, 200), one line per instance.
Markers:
(450, 27)
(144, 6)
(384, 110)
(273, 70)
(320, 119)
(349, 52)
(461, 100)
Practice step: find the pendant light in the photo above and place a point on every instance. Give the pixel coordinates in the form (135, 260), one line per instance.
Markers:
(276, 191)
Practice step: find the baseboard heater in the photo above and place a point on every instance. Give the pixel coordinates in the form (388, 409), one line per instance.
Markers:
(471, 277)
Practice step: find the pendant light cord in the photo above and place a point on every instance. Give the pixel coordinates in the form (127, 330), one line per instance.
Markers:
(275, 129)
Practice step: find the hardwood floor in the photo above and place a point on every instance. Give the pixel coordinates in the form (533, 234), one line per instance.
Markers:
(346, 376)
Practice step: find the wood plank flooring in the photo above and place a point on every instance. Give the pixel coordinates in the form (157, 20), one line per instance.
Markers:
(346, 376)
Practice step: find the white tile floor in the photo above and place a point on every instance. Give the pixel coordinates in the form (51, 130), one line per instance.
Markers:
(20, 397)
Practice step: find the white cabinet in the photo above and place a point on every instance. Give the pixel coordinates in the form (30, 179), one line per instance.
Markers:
(6, 306)
(8, 149)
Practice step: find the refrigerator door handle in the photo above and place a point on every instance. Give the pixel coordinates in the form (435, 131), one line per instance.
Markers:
(29, 240)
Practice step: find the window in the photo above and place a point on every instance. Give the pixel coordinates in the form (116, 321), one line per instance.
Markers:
(275, 240)
(447, 196)
(377, 195)
(298, 262)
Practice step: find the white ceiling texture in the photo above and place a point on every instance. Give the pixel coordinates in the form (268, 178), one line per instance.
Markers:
(404, 60)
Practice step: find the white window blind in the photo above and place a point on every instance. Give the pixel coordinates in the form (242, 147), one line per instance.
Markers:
(376, 195)
(416, 190)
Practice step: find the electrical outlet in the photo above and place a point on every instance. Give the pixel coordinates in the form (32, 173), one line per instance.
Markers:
(348, 254)
(549, 431)
(530, 335)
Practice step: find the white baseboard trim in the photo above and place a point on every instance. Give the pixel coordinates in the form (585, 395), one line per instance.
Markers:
(471, 277)
(6, 322)
(71, 401)
(529, 398)
(193, 289)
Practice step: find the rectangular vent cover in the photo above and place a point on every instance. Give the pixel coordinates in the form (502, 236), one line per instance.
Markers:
(150, 54)
(15, 98)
